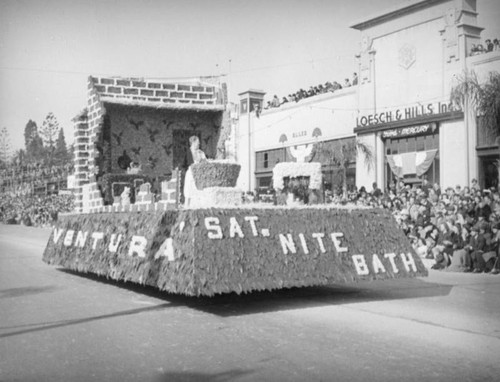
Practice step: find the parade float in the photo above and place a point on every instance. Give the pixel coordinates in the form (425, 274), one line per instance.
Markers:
(196, 237)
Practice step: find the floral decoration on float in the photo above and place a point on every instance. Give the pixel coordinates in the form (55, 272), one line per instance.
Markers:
(295, 170)
(215, 173)
(303, 185)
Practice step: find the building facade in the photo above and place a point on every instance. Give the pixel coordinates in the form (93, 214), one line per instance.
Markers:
(294, 130)
(408, 62)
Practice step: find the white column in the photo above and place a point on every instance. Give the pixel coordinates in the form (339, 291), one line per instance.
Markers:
(380, 155)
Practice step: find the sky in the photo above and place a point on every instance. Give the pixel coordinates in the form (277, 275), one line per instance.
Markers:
(48, 48)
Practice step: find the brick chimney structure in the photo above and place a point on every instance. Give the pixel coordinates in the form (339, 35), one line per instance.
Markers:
(147, 122)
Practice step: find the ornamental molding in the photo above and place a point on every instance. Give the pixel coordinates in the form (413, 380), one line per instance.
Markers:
(407, 55)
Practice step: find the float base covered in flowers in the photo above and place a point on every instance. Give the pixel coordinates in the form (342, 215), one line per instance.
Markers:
(221, 250)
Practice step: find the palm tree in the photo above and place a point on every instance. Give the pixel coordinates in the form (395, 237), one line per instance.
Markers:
(344, 153)
(484, 99)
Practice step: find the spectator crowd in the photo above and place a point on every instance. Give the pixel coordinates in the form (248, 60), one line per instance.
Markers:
(33, 210)
(19, 204)
(489, 46)
(23, 179)
(458, 228)
(312, 91)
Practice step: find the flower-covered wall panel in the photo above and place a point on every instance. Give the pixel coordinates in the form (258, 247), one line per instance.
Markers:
(157, 139)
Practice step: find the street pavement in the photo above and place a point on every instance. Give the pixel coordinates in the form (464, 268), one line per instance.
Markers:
(57, 325)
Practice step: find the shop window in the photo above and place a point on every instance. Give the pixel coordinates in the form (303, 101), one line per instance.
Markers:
(244, 106)
(431, 142)
(427, 142)
(402, 145)
(258, 160)
(488, 172)
(411, 145)
(486, 136)
(388, 146)
(435, 167)
(420, 143)
(264, 182)
(266, 160)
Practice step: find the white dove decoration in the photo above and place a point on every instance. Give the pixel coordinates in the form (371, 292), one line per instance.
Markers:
(300, 152)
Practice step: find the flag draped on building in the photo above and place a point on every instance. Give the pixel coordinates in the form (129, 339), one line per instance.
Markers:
(411, 163)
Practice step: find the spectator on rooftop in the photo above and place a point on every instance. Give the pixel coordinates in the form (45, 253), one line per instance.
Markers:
(275, 102)
(336, 85)
(489, 45)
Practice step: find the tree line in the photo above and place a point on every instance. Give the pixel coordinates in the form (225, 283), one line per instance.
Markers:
(44, 145)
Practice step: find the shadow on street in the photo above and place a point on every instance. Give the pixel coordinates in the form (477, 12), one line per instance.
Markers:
(26, 291)
(229, 375)
(232, 304)
(58, 324)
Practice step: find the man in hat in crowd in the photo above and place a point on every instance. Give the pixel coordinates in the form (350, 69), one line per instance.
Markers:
(476, 247)
(376, 192)
(484, 207)
(413, 207)
(438, 218)
(491, 256)
(426, 186)
(495, 202)
(460, 260)
(450, 192)
(474, 185)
